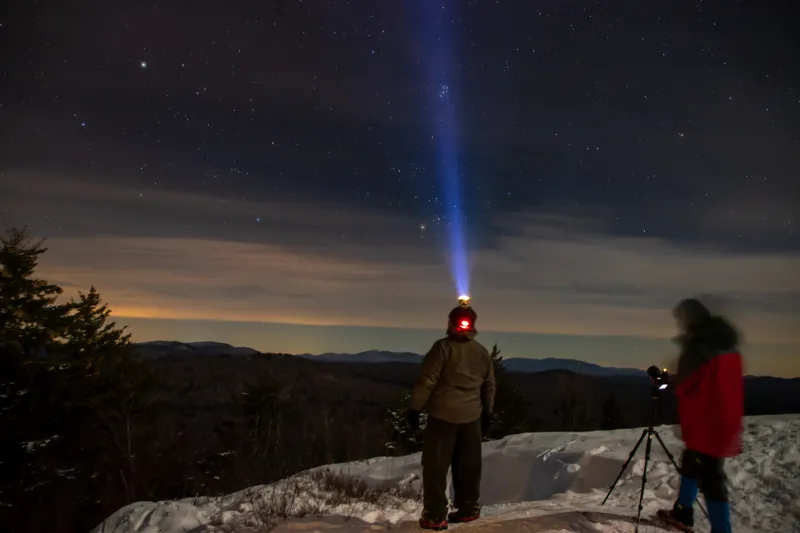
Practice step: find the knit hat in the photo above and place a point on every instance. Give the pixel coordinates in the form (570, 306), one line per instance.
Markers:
(462, 318)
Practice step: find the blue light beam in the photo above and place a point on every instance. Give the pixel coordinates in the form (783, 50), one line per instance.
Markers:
(449, 164)
(439, 62)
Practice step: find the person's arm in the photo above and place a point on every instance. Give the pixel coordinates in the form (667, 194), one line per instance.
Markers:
(429, 375)
(488, 389)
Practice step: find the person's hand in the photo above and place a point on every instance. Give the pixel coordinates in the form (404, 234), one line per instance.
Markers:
(412, 417)
(486, 423)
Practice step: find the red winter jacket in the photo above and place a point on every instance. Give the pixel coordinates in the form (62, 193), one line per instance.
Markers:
(710, 390)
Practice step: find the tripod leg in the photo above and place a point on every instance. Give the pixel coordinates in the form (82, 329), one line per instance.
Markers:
(633, 452)
(647, 449)
(672, 460)
(664, 447)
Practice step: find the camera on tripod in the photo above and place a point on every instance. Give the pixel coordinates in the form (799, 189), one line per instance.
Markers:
(660, 381)
(660, 378)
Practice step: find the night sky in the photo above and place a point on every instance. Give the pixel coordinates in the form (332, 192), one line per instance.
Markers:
(286, 175)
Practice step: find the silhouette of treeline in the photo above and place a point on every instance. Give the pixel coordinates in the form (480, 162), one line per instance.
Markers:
(87, 426)
(559, 400)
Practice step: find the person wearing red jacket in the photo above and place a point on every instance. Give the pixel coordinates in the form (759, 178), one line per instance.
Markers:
(709, 386)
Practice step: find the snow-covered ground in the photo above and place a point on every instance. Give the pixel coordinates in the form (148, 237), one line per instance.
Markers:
(548, 482)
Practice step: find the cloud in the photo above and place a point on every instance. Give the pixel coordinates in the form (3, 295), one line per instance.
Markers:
(548, 274)
(583, 281)
(752, 217)
(91, 208)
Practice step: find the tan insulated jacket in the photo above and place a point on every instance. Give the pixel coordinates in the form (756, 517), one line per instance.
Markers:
(456, 382)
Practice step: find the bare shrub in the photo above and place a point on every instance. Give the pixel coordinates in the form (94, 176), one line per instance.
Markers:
(347, 489)
(273, 506)
(316, 493)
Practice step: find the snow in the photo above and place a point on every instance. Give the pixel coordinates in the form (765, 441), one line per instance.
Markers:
(547, 482)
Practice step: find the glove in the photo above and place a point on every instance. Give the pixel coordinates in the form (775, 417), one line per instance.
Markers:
(486, 423)
(412, 417)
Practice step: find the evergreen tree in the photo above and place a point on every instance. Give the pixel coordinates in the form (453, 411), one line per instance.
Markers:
(30, 320)
(511, 410)
(89, 331)
(497, 359)
(611, 413)
(404, 440)
(574, 411)
(65, 430)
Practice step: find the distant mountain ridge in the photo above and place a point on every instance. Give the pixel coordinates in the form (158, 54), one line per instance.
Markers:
(526, 365)
(370, 356)
(515, 364)
(521, 365)
(203, 348)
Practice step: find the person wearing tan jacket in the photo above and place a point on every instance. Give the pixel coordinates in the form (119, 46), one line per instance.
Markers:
(457, 387)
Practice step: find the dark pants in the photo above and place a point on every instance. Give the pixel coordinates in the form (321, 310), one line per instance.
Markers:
(449, 444)
(709, 473)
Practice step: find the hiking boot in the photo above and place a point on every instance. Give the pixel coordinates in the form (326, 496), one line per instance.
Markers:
(679, 517)
(432, 525)
(468, 515)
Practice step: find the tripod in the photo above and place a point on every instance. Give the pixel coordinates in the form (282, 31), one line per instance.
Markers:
(649, 432)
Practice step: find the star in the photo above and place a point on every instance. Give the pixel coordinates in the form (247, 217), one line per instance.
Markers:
(449, 121)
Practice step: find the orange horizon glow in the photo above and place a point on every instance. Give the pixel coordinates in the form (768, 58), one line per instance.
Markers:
(567, 329)
(608, 350)
(529, 285)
